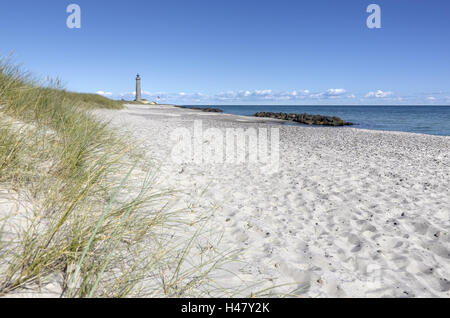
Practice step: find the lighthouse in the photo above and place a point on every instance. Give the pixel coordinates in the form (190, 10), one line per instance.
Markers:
(138, 88)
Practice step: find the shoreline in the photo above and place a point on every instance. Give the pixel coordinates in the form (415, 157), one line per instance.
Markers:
(247, 118)
(355, 123)
(350, 212)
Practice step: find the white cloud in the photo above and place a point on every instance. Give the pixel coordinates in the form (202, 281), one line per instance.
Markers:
(270, 95)
(330, 93)
(247, 96)
(104, 93)
(335, 91)
(379, 94)
(286, 97)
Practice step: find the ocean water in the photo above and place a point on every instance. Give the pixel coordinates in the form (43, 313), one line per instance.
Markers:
(433, 120)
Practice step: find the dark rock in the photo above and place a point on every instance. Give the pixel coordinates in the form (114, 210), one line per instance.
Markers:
(212, 110)
(207, 110)
(306, 119)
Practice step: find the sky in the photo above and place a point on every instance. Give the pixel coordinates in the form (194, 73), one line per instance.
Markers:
(238, 52)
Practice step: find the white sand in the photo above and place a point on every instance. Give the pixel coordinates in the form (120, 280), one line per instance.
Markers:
(350, 213)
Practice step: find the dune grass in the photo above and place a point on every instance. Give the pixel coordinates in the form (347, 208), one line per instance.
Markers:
(81, 217)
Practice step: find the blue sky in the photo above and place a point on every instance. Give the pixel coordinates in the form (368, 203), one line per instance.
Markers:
(239, 52)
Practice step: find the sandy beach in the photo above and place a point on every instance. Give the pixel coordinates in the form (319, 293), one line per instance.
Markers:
(349, 212)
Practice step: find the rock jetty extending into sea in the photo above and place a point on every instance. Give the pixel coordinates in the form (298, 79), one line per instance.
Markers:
(306, 119)
(207, 110)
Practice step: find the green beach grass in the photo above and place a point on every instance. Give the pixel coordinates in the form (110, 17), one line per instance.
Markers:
(80, 224)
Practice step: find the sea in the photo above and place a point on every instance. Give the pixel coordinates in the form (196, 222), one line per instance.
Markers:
(432, 120)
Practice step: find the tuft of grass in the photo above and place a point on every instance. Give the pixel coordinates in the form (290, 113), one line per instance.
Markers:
(87, 219)
(9, 150)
